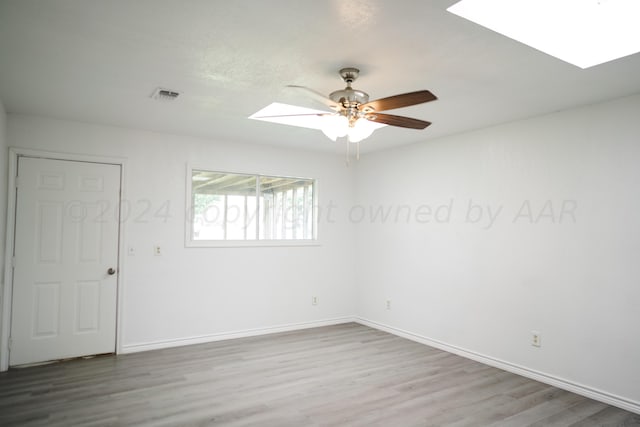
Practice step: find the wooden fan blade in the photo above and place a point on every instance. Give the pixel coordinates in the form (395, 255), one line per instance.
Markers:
(399, 101)
(319, 97)
(400, 121)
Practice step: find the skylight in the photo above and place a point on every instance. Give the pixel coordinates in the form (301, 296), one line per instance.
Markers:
(581, 32)
(290, 115)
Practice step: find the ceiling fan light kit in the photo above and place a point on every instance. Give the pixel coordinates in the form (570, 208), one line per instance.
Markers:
(354, 116)
(338, 126)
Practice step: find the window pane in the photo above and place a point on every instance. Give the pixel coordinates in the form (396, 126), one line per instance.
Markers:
(252, 220)
(222, 209)
(285, 210)
(208, 221)
(309, 214)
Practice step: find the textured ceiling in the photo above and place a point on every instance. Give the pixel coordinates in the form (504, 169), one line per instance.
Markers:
(99, 61)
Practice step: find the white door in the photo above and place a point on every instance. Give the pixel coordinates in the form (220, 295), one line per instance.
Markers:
(66, 257)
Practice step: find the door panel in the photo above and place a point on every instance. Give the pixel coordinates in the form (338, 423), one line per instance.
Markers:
(67, 225)
(49, 232)
(46, 306)
(87, 300)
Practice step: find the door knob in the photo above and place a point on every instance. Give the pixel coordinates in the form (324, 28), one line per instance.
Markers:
(111, 271)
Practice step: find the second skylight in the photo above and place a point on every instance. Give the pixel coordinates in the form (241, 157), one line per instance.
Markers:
(584, 33)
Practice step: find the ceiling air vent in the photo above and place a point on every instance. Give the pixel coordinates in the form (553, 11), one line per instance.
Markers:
(164, 94)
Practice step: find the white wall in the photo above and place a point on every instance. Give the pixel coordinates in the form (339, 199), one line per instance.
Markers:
(485, 287)
(193, 292)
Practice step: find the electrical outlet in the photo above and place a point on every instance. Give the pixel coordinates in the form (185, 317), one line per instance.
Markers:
(157, 251)
(536, 339)
(314, 300)
(388, 304)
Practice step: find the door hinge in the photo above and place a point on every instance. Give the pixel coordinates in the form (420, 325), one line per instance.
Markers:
(17, 180)
(13, 262)
(10, 342)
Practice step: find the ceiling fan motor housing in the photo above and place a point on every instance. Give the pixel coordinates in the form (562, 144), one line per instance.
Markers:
(348, 96)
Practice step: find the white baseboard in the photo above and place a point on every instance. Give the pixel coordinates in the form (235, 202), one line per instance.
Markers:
(156, 345)
(580, 389)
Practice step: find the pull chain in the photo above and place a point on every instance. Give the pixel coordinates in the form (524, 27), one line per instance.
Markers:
(348, 154)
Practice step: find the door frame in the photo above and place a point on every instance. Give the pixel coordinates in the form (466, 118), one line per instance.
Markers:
(7, 292)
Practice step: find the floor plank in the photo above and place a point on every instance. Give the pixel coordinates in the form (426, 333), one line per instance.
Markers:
(343, 375)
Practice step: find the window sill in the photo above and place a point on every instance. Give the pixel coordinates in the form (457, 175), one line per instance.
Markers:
(249, 243)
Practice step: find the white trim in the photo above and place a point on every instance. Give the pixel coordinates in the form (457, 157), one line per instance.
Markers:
(5, 308)
(17, 151)
(249, 243)
(179, 342)
(5, 319)
(555, 381)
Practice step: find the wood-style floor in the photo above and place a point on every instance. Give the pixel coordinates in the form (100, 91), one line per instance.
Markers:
(344, 375)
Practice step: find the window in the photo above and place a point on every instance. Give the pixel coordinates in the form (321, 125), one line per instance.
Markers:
(244, 208)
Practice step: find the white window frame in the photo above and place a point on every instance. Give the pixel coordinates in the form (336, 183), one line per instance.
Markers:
(189, 214)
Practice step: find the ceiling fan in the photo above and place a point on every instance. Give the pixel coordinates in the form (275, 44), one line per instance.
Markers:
(353, 114)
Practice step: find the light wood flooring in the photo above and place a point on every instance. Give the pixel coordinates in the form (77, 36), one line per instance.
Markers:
(344, 375)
